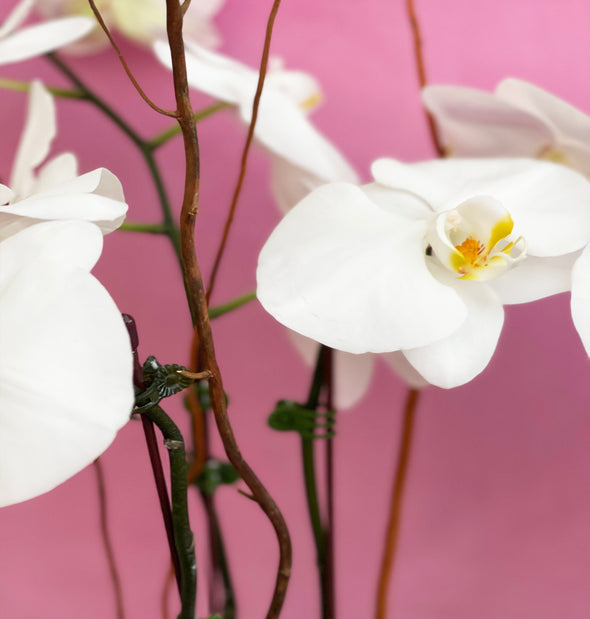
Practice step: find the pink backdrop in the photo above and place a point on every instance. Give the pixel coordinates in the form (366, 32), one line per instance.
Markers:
(496, 520)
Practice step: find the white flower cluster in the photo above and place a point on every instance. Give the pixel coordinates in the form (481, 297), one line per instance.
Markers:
(65, 361)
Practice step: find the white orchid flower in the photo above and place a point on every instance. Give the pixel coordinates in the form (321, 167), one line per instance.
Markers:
(518, 120)
(302, 158)
(55, 191)
(423, 259)
(142, 21)
(65, 367)
(16, 45)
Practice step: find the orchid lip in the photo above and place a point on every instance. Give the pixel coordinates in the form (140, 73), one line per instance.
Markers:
(474, 240)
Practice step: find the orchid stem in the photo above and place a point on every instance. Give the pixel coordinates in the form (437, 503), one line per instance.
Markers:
(132, 226)
(63, 93)
(230, 306)
(87, 94)
(397, 493)
(175, 130)
(183, 536)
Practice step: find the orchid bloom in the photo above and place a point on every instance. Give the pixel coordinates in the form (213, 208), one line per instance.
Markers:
(422, 260)
(518, 120)
(142, 21)
(16, 45)
(302, 158)
(65, 367)
(55, 191)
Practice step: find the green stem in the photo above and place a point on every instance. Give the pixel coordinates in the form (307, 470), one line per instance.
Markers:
(174, 130)
(87, 94)
(132, 226)
(307, 450)
(224, 308)
(64, 93)
(183, 536)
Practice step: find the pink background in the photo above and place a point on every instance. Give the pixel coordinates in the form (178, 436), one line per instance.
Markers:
(496, 521)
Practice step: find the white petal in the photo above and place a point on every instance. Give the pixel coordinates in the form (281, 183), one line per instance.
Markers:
(298, 86)
(57, 171)
(565, 120)
(213, 74)
(43, 38)
(66, 367)
(39, 131)
(548, 202)
(344, 272)
(290, 184)
(285, 130)
(457, 359)
(352, 373)
(478, 124)
(535, 278)
(401, 366)
(16, 17)
(107, 214)
(580, 302)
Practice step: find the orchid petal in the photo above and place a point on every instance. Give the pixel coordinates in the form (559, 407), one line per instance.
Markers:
(460, 357)
(564, 119)
(57, 171)
(535, 278)
(344, 272)
(298, 86)
(66, 367)
(401, 366)
(43, 38)
(478, 124)
(16, 17)
(580, 301)
(213, 74)
(352, 373)
(290, 184)
(39, 131)
(107, 214)
(548, 202)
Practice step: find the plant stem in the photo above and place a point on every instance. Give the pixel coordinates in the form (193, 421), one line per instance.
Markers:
(87, 94)
(224, 308)
(397, 492)
(197, 301)
(56, 92)
(417, 39)
(255, 104)
(174, 130)
(106, 539)
(132, 226)
(183, 536)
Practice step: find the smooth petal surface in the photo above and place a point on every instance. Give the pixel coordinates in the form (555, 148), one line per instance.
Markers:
(580, 302)
(43, 38)
(290, 184)
(39, 131)
(479, 124)
(352, 373)
(548, 202)
(16, 17)
(535, 278)
(565, 120)
(457, 359)
(65, 366)
(404, 369)
(344, 272)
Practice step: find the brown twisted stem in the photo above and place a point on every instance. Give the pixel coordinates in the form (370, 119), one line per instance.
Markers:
(249, 138)
(106, 540)
(198, 304)
(417, 38)
(395, 508)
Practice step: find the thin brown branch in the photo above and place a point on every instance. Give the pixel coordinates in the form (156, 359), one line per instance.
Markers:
(106, 540)
(135, 83)
(395, 507)
(198, 304)
(422, 74)
(249, 138)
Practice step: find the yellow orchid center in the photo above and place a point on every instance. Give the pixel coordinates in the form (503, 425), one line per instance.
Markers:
(474, 240)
